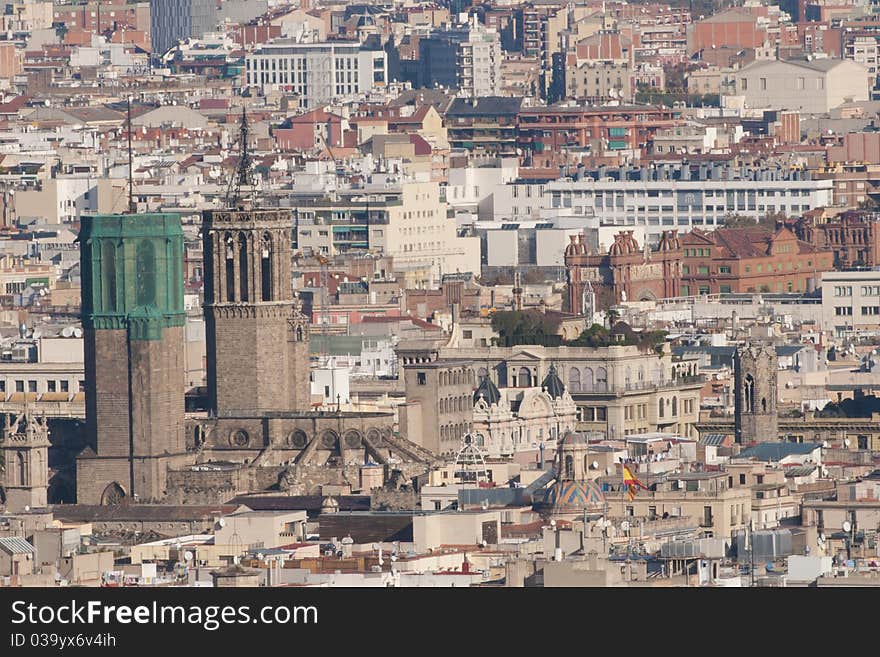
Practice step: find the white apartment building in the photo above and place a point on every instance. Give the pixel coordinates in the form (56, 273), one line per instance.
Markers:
(479, 60)
(661, 205)
(317, 72)
(851, 302)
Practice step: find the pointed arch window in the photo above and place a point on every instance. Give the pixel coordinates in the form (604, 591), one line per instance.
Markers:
(230, 267)
(266, 267)
(243, 267)
(146, 273)
(108, 270)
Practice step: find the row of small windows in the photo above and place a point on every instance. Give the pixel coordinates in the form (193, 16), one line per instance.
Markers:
(454, 431)
(237, 255)
(456, 377)
(32, 385)
(455, 404)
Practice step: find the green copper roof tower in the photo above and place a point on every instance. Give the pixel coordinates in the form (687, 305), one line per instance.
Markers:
(133, 321)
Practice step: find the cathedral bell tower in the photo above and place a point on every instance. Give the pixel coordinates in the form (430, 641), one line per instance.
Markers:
(257, 337)
(133, 337)
(755, 375)
(25, 450)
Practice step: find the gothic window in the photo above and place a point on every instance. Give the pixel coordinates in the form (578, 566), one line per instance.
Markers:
(601, 379)
(266, 267)
(22, 469)
(230, 268)
(146, 273)
(525, 378)
(660, 408)
(243, 267)
(574, 380)
(113, 494)
(674, 406)
(627, 377)
(108, 270)
(749, 394)
(569, 466)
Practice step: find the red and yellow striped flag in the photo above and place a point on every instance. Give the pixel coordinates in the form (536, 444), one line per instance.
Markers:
(631, 483)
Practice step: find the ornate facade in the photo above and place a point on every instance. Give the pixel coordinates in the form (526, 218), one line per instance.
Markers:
(627, 272)
(25, 451)
(510, 420)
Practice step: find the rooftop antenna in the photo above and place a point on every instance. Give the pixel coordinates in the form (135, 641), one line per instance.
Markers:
(131, 206)
(242, 179)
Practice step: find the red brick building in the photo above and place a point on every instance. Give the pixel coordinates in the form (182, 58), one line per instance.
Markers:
(750, 260)
(315, 129)
(854, 237)
(626, 272)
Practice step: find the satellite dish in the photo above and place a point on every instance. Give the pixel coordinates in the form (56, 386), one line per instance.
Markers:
(846, 526)
(222, 522)
(824, 443)
(846, 442)
(820, 539)
(552, 523)
(188, 555)
(595, 464)
(27, 507)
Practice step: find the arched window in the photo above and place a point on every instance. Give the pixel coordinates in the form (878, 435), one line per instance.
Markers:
(658, 373)
(230, 267)
(108, 270)
(601, 379)
(749, 394)
(660, 408)
(266, 267)
(243, 267)
(641, 374)
(569, 466)
(674, 406)
(525, 378)
(627, 377)
(145, 258)
(763, 404)
(574, 380)
(587, 383)
(21, 464)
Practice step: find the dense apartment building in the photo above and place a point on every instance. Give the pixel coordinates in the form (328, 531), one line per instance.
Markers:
(810, 86)
(750, 260)
(407, 221)
(465, 57)
(601, 81)
(683, 196)
(174, 20)
(543, 133)
(851, 302)
(317, 72)
(485, 126)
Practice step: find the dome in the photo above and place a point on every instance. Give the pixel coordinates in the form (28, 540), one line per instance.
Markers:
(572, 438)
(575, 496)
(624, 243)
(552, 384)
(487, 391)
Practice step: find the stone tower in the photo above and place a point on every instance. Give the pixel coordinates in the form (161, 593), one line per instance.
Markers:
(133, 321)
(25, 450)
(755, 375)
(257, 338)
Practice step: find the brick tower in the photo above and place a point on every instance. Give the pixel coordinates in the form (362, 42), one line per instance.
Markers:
(257, 338)
(133, 321)
(25, 450)
(755, 374)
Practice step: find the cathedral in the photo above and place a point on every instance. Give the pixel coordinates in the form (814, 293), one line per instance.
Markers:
(259, 431)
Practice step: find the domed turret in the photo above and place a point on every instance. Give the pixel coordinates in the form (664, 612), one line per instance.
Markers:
(487, 391)
(552, 384)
